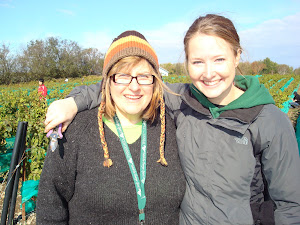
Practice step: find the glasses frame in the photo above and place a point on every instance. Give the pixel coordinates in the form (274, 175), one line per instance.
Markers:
(132, 77)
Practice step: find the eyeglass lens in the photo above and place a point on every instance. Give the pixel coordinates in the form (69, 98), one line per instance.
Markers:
(145, 79)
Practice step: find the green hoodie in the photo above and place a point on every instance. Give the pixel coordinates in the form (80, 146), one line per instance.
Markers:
(255, 94)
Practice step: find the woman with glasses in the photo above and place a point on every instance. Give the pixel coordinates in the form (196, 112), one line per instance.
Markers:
(117, 164)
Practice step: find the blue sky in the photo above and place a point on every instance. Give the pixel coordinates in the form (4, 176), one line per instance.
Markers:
(266, 28)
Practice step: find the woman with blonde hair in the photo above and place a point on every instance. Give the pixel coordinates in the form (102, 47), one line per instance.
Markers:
(118, 163)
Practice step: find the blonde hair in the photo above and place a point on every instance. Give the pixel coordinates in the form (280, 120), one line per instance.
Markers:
(126, 65)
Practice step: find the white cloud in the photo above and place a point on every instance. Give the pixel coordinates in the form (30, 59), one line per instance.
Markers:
(166, 41)
(67, 12)
(6, 4)
(277, 39)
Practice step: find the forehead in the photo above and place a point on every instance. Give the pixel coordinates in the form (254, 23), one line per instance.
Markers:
(141, 66)
(202, 44)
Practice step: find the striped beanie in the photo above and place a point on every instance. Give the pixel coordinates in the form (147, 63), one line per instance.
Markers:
(130, 43)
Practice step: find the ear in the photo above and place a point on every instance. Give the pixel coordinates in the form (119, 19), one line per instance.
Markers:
(237, 57)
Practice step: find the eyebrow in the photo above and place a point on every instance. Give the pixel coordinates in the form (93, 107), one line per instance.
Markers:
(215, 56)
(139, 73)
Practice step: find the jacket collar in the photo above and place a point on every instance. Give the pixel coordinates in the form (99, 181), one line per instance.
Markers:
(244, 115)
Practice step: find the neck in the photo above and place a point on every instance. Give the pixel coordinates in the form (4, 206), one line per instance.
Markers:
(232, 94)
(128, 120)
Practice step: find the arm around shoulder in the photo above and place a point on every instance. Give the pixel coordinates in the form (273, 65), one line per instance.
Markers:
(60, 111)
(173, 101)
(64, 110)
(87, 97)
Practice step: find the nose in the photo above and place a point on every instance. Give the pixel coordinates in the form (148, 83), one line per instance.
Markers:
(134, 86)
(208, 71)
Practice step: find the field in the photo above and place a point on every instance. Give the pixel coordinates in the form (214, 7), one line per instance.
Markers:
(21, 102)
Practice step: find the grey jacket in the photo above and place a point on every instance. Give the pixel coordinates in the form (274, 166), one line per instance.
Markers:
(218, 160)
(219, 164)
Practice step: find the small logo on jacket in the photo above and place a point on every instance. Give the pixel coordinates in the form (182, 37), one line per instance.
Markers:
(243, 140)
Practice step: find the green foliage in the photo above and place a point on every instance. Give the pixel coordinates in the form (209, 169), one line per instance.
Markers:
(275, 82)
(21, 102)
(25, 105)
(177, 79)
(51, 58)
(176, 69)
(270, 67)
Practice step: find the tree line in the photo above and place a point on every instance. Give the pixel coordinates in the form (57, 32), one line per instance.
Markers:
(57, 58)
(49, 58)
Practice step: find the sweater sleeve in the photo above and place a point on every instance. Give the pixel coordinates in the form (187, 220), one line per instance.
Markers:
(87, 97)
(281, 167)
(57, 184)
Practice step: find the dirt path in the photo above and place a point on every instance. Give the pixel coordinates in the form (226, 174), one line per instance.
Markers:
(31, 220)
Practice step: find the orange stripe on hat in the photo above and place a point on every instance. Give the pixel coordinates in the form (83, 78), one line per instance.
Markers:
(130, 44)
(129, 39)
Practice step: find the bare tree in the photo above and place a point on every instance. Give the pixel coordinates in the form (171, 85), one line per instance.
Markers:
(93, 60)
(297, 71)
(244, 68)
(257, 66)
(7, 63)
(284, 69)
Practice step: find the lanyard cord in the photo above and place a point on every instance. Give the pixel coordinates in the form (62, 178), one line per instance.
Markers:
(138, 182)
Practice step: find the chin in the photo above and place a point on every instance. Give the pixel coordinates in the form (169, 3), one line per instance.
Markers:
(133, 112)
(211, 95)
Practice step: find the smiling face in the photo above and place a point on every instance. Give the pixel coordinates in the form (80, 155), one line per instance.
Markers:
(211, 65)
(131, 100)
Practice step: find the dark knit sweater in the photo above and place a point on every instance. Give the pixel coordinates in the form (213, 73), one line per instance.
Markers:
(75, 188)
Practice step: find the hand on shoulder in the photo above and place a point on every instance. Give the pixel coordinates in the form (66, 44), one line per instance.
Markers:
(60, 111)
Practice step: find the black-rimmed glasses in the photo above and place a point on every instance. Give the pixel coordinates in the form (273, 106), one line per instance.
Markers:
(142, 79)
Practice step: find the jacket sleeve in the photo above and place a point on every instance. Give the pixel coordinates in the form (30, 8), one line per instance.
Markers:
(87, 97)
(56, 186)
(281, 167)
(173, 101)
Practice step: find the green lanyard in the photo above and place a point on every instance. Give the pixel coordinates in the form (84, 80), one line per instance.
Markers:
(138, 182)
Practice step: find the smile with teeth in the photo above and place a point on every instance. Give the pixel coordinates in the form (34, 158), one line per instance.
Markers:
(133, 96)
(211, 83)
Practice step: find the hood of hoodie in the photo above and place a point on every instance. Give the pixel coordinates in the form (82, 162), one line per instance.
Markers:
(255, 94)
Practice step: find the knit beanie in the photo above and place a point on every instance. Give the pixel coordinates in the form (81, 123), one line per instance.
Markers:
(129, 43)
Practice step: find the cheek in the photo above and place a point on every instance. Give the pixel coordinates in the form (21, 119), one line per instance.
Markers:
(228, 69)
(194, 72)
(114, 93)
(148, 94)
